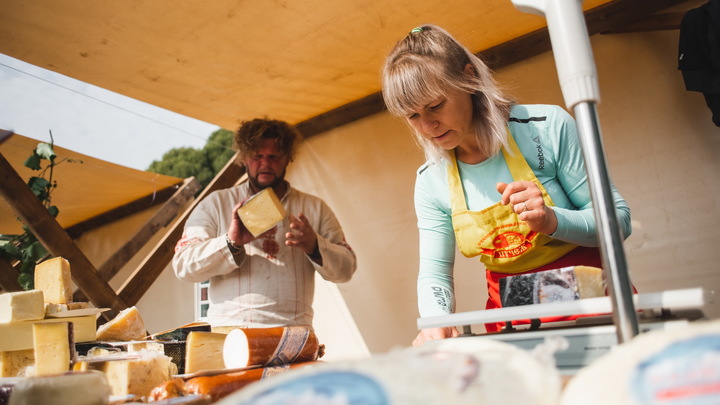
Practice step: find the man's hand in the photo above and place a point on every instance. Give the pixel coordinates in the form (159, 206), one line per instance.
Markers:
(302, 235)
(237, 232)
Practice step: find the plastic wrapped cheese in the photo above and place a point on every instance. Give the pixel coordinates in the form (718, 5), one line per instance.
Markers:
(455, 371)
(563, 284)
(676, 365)
(76, 388)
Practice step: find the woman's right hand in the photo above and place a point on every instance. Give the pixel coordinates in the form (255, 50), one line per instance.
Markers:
(434, 334)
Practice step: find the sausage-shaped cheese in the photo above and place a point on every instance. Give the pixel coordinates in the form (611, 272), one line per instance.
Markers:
(253, 347)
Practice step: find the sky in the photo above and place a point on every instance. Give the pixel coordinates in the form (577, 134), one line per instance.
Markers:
(90, 120)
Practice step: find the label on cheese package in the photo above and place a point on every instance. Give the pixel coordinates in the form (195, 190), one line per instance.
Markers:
(262, 212)
(556, 285)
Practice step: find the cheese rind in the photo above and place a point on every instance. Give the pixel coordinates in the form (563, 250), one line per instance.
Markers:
(19, 335)
(127, 325)
(204, 351)
(54, 347)
(53, 277)
(13, 363)
(262, 212)
(21, 306)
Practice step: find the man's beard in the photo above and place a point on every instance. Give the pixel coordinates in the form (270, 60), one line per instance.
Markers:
(257, 186)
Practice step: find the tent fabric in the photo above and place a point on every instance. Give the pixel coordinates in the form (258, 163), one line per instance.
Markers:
(86, 186)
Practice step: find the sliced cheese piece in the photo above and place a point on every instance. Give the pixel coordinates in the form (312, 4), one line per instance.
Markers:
(138, 346)
(53, 277)
(76, 388)
(14, 363)
(262, 212)
(19, 335)
(21, 306)
(204, 351)
(54, 347)
(127, 325)
(52, 308)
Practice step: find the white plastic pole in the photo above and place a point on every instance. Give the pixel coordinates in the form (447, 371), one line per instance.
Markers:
(578, 80)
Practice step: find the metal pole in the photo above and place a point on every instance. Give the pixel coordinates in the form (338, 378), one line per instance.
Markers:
(610, 235)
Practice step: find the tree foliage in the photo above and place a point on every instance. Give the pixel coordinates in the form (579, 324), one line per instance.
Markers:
(203, 163)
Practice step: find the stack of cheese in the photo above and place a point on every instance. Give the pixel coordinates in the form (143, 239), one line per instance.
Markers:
(33, 330)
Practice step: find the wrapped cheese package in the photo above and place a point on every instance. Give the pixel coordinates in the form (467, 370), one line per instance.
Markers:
(251, 347)
(556, 285)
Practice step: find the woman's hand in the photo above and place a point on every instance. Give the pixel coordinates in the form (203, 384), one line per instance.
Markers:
(526, 200)
(434, 334)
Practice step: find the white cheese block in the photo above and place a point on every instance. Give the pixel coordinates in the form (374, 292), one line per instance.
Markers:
(54, 347)
(262, 212)
(76, 388)
(19, 335)
(204, 351)
(53, 277)
(675, 365)
(556, 285)
(458, 371)
(14, 363)
(21, 306)
(127, 325)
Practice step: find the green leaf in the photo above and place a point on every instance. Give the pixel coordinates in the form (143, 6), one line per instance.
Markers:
(54, 211)
(26, 281)
(40, 187)
(34, 253)
(45, 151)
(33, 162)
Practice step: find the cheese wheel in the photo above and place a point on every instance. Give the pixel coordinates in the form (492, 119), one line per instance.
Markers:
(458, 371)
(270, 346)
(679, 364)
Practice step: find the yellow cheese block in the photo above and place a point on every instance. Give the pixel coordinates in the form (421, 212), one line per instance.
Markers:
(127, 325)
(54, 347)
(53, 277)
(204, 351)
(14, 363)
(21, 306)
(261, 212)
(52, 309)
(591, 281)
(132, 373)
(19, 335)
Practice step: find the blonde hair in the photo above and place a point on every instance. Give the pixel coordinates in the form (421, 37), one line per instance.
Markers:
(426, 65)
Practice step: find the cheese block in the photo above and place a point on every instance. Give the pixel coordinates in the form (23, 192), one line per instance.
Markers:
(262, 212)
(250, 347)
(14, 363)
(19, 335)
(127, 325)
(53, 277)
(131, 373)
(21, 306)
(138, 346)
(76, 388)
(54, 347)
(678, 364)
(204, 351)
(556, 285)
(461, 371)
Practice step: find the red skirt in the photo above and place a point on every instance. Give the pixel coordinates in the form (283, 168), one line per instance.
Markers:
(580, 256)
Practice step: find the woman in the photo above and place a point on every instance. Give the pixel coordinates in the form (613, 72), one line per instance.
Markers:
(506, 181)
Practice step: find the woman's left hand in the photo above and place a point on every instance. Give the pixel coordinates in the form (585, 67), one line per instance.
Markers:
(526, 200)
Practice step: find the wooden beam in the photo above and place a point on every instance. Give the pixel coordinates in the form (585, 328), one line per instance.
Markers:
(122, 211)
(655, 22)
(146, 274)
(162, 218)
(37, 218)
(8, 277)
(608, 17)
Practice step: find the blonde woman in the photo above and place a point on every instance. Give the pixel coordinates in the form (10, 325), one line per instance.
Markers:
(502, 181)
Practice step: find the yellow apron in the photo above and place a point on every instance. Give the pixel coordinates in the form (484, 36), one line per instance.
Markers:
(504, 242)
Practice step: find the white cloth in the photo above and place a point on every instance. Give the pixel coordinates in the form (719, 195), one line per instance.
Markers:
(273, 285)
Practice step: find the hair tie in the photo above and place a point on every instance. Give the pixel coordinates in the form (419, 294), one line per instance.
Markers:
(416, 29)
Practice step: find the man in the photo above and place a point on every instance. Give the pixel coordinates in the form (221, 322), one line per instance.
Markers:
(269, 280)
